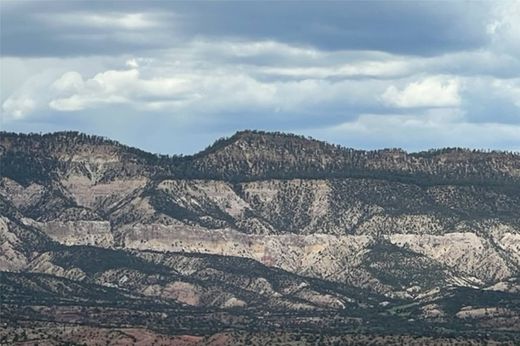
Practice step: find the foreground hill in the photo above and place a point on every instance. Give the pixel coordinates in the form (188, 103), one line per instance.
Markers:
(256, 225)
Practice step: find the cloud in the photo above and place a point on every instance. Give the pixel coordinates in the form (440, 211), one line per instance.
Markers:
(400, 74)
(420, 28)
(213, 84)
(429, 92)
(364, 69)
(27, 98)
(78, 28)
(125, 21)
(115, 87)
(504, 28)
(57, 28)
(132, 63)
(510, 89)
(19, 106)
(70, 82)
(421, 131)
(190, 87)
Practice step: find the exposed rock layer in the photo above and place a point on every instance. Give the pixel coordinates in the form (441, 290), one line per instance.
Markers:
(395, 225)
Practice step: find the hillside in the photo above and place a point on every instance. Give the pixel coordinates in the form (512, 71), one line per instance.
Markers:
(259, 232)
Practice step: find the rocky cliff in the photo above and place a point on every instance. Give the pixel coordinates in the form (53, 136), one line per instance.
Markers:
(269, 222)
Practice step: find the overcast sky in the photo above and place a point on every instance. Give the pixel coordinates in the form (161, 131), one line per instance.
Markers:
(171, 77)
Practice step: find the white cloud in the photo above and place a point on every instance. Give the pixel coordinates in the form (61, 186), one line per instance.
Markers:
(132, 63)
(373, 69)
(160, 87)
(433, 91)
(273, 85)
(115, 86)
(508, 88)
(69, 82)
(188, 81)
(267, 74)
(27, 97)
(125, 21)
(504, 28)
(435, 128)
(19, 106)
(255, 48)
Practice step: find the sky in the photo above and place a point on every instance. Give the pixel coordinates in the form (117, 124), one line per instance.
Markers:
(171, 77)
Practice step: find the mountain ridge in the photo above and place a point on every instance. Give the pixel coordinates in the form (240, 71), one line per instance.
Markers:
(256, 155)
(260, 231)
(93, 139)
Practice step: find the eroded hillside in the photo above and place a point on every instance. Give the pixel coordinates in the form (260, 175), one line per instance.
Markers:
(266, 222)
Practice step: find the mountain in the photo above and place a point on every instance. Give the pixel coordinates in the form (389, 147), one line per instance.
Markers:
(260, 233)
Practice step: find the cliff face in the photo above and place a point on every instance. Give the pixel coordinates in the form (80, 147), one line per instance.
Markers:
(338, 221)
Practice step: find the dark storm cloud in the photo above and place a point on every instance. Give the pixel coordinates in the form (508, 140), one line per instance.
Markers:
(397, 27)
(57, 28)
(68, 28)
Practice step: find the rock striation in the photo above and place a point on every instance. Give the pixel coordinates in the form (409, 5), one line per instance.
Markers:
(265, 221)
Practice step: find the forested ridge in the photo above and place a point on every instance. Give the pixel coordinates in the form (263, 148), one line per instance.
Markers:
(256, 155)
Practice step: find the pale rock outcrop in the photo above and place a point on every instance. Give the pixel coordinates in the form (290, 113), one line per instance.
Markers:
(97, 233)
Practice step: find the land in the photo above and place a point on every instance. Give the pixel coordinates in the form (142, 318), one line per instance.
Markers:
(261, 237)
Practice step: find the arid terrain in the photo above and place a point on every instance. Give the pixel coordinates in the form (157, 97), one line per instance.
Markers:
(261, 237)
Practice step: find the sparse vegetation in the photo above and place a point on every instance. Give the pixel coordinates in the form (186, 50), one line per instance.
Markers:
(103, 243)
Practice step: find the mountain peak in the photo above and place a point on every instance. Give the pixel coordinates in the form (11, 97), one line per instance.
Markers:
(253, 138)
